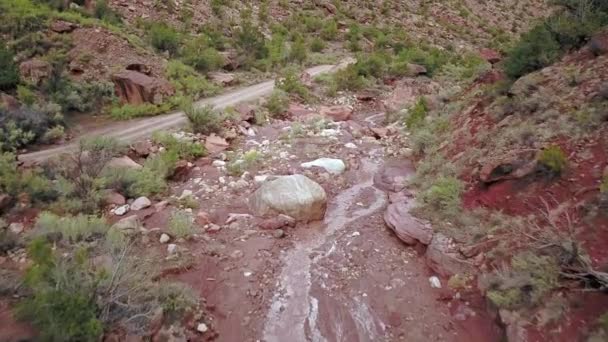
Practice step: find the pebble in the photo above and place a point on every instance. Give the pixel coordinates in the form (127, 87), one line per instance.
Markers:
(218, 163)
(171, 248)
(164, 238)
(279, 233)
(16, 227)
(185, 193)
(202, 328)
(350, 145)
(247, 274)
(435, 282)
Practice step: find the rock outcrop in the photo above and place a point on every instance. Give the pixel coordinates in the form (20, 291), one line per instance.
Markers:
(408, 228)
(136, 88)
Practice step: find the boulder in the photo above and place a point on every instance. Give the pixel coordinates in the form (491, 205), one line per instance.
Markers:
(181, 171)
(140, 67)
(216, 144)
(114, 198)
(202, 218)
(295, 195)
(142, 148)
(231, 59)
(141, 203)
(128, 223)
(490, 77)
(337, 113)
(124, 162)
(247, 112)
(16, 228)
(490, 56)
(414, 70)
(394, 175)
(511, 166)
(408, 228)
(443, 257)
(598, 45)
(334, 166)
(136, 88)
(34, 71)
(223, 79)
(296, 110)
(62, 26)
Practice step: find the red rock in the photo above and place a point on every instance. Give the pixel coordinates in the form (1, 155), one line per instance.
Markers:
(379, 132)
(598, 45)
(337, 113)
(330, 8)
(61, 26)
(114, 198)
(216, 144)
(34, 71)
(408, 228)
(140, 67)
(9, 102)
(394, 175)
(490, 77)
(365, 96)
(296, 110)
(181, 173)
(136, 88)
(491, 56)
(223, 79)
(202, 218)
(511, 166)
(247, 112)
(414, 70)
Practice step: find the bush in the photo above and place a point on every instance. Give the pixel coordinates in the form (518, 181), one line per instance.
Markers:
(204, 120)
(290, 82)
(444, 195)
(164, 37)
(104, 12)
(245, 162)
(298, 52)
(31, 182)
(349, 79)
(188, 150)
(130, 111)
(187, 82)
(433, 59)
(277, 103)
(181, 225)
(317, 45)
(535, 50)
(329, 30)
(201, 56)
(75, 228)
(9, 74)
(553, 160)
(417, 114)
(251, 43)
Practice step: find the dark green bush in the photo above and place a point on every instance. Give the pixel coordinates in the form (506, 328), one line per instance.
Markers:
(553, 159)
(9, 74)
(164, 37)
(535, 50)
(417, 114)
(298, 52)
(277, 103)
(201, 56)
(204, 120)
(251, 43)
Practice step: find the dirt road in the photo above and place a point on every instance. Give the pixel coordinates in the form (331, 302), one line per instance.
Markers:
(129, 131)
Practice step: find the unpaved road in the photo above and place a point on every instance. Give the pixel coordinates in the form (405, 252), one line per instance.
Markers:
(129, 131)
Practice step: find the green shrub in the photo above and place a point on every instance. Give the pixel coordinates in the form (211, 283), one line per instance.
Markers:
(535, 50)
(181, 225)
(200, 55)
(9, 74)
(317, 45)
(130, 111)
(83, 96)
(53, 135)
(277, 103)
(329, 30)
(298, 52)
(75, 228)
(531, 278)
(290, 82)
(553, 159)
(251, 43)
(433, 59)
(188, 150)
(349, 79)
(25, 95)
(20, 17)
(103, 12)
(204, 120)
(443, 195)
(248, 160)
(187, 82)
(31, 182)
(417, 114)
(604, 185)
(164, 37)
(372, 65)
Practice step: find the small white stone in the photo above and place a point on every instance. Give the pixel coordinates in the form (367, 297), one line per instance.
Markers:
(16, 227)
(164, 238)
(350, 145)
(247, 274)
(186, 193)
(222, 180)
(202, 328)
(218, 163)
(122, 210)
(260, 179)
(435, 282)
(141, 203)
(171, 248)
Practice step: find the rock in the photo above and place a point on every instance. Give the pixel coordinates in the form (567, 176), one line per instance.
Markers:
(216, 144)
(160, 206)
(414, 70)
(278, 234)
(247, 113)
(141, 203)
(218, 163)
(114, 198)
(490, 77)
(598, 45)
(491, 56)
(408, 228)
(350, 146)
(260, 179)
(34, 71)
(171, 248)
(296, 196)
(379, 132)
(277, 222)
(5, 202)
(202, 218)
(443, 257)
(297, 110)
(515, 326)
(122, 210)
(142, 148)
(336, 113)
(435, 282)
(124, 162)
(128, 223)
(61, 26)
(9, 102)
(202, 328)
(181, 172)
(16, 227)
(136, 88)
(510, 166)
(394, 175)
(140, 67)
(164, 238)
(223, 79)
(186, 193)
(231, 59)
(334, 166)
(330, 8)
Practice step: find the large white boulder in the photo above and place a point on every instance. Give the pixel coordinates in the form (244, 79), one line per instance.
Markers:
(296, 196)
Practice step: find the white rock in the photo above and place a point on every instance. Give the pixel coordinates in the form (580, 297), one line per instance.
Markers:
(330, 132)
(335, 166)
(141, 203)
(16, 227)
(122, 210)
(171, 248)
(185, 193)
(350, 145)
(164, 238)
(202, 328)
(284, 155)
(222, 180)
(247, 274)
(218, 163)
(435, 282)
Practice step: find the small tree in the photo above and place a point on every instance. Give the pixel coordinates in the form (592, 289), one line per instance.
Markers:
(9, 74)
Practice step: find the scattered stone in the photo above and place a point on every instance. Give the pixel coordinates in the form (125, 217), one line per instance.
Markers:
(394, 175)
(295, 110)
(128, 223)
(171, 249)
(510, 166)
(141, 203)
(142, 148)
(237, 254)
(443, 257)
(16, 227)
(114, 198)
(160, 206)
(122, 210)
(164, 238)
(294, 195)
(247, 274)
(334, 166)
(216, 144)
(136, 88)
(408, 228)
(124, 162)
(379, 132)
(435, 282)
(414, 70)
(5, 201)
(202, 328)
(186, 193)
(336, 113)
(278, 233)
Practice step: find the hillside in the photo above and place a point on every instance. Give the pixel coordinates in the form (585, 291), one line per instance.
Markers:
(418, 170)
